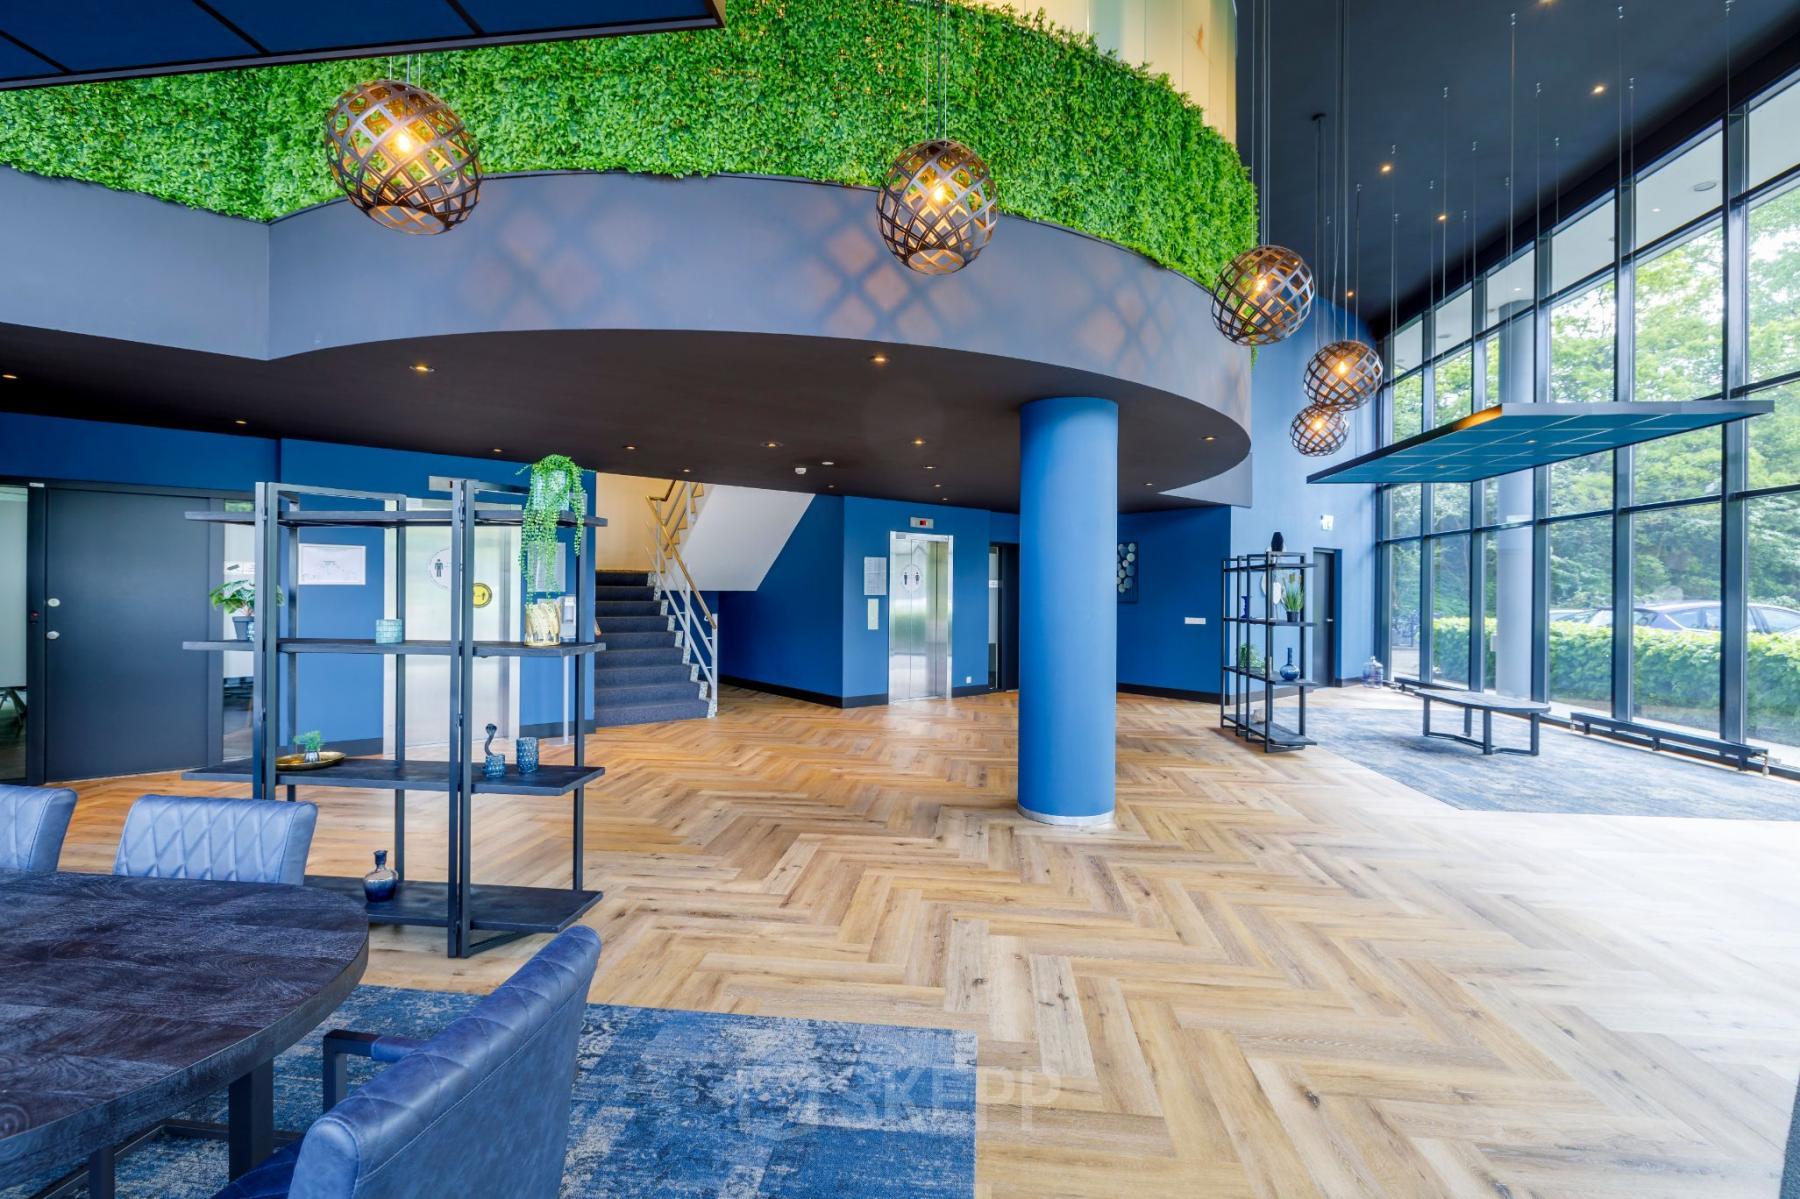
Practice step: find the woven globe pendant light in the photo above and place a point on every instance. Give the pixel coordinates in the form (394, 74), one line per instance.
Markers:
(1317, 431)
(1263, 296)
(403, 157)
(1343, 376)
(935, 209)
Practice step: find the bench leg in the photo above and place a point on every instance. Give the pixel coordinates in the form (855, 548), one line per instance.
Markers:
(1534, 734)
(1468, 728)
(1487, 731)
(1427, 721)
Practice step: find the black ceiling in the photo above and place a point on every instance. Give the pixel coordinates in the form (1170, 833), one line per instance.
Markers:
(694, 403)
(1401, 54)
(70, 41)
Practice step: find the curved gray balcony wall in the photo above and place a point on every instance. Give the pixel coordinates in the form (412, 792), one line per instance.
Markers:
(724, 258)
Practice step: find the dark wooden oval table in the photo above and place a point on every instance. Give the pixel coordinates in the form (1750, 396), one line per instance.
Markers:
(125, 1000)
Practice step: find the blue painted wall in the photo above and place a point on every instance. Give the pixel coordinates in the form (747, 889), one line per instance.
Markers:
(1178, 577)
(340, 696)
(1284, 502)
(788, 631)
(52, 447)
(867, 524)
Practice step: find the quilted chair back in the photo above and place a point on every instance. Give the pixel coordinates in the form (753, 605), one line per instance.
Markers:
(32, 823)
(482, 1108)
(229, 840)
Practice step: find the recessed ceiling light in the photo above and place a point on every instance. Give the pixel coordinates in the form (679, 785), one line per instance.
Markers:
(878, 359)
(1599, 89)
(929, 466)
(831, 487)
(496, 449)
(1387, 167)
(1518, 289)
(827, 462)
(1348, 294)
(771, 445)
(937, 484)
(944, 499)
(420, 368)
(628, 446)
(240, 422)
(9, 376)
(686, 471)
(1706, 185)
(1656, 210)
(1149, 485)
(918, 441)
(1443, 216)
(1208, 437)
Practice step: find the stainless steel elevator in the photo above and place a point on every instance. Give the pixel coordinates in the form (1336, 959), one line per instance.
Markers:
(918, 616)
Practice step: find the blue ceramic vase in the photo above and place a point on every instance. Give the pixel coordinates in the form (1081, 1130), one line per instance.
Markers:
(379, 883)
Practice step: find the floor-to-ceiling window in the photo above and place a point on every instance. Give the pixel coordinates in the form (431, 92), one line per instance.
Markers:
(1696, 536)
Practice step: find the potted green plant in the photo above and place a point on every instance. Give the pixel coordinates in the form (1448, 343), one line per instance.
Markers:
(1249, 659)
(1293, 597)
(309, 744)
(556, 488)
(237, 597)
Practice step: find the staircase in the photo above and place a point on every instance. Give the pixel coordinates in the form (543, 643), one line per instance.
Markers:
(645, 673)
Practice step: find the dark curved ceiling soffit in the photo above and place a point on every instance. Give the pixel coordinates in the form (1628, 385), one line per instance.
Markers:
(694, 319)
(44, 42)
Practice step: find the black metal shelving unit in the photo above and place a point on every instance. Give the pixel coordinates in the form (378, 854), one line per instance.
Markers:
(461, 906)
(1241, 688)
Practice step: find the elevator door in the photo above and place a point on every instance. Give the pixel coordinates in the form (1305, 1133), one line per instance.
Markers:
(918, 617)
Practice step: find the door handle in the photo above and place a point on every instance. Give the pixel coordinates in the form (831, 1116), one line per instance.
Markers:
(52, 635)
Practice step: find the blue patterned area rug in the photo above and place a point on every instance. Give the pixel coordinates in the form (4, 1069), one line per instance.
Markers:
(680, 1105)
(1572, 773)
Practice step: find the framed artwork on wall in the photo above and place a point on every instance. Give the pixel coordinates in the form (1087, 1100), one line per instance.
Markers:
(1128, 572)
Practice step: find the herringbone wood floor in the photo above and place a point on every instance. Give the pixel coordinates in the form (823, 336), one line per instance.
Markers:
(1275, 977)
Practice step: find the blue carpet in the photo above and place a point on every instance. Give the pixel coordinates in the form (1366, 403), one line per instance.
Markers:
(1572, 773)
(680, 1105)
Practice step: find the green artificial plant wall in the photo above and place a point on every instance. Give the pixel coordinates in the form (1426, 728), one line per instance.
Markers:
(819, 89)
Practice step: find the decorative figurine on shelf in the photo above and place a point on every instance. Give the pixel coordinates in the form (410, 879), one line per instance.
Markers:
(389, 631)
(1289, 672)
(525, 749)
(309, 745)
(1275, 542)
(492, 764)
(379, 883)
(1372, 672)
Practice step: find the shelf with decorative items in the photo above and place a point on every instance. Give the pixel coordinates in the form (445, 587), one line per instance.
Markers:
(1263, 595)
(475, 915)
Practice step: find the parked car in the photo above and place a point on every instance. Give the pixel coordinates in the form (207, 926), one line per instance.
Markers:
(1700, 616)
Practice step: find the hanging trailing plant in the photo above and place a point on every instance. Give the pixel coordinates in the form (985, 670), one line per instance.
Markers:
(556, 487)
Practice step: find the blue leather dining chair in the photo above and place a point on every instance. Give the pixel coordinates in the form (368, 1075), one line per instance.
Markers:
(482, 1108)
(229, 840)
(32, 823)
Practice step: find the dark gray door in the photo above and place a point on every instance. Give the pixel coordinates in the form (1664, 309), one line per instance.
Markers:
(125, 582)
(1326, 669)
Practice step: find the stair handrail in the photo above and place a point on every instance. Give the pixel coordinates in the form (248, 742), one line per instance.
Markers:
(673, 513)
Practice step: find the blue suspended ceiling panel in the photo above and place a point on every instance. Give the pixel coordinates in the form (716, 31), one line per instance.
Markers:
(1511, 437)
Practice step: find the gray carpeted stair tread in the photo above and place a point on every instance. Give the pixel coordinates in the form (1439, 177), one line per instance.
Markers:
(612, 716)
(617, 659)
(635, 676)
(635, 624)
(608, 609)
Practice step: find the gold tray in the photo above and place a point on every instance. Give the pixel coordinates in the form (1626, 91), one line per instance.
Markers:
(327, 757)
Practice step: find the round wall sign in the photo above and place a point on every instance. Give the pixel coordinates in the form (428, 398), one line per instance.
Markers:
(484, 595)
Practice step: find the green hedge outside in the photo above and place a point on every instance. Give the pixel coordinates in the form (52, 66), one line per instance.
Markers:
(1680, 670)
(818, 89)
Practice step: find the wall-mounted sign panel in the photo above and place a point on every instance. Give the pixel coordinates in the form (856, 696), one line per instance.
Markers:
(922, 522)
(874, 576)
(332, 565)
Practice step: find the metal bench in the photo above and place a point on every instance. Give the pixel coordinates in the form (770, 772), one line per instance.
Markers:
(1693, 745)
(1487, 704)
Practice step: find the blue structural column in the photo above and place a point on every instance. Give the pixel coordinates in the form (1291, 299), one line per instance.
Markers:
(1068, 608)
